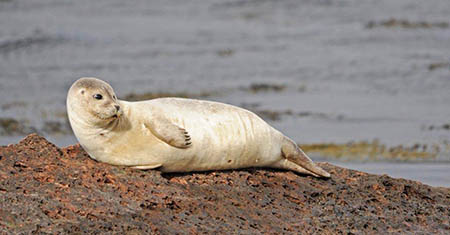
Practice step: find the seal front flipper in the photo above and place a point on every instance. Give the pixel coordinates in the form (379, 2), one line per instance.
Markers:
(170, 133)
(147, 167)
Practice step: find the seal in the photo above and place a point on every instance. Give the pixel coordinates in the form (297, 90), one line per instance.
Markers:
(177, 134)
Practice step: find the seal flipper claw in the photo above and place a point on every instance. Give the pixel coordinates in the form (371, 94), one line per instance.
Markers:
(170, 133)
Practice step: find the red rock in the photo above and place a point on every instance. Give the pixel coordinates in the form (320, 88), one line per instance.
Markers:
(47, 189)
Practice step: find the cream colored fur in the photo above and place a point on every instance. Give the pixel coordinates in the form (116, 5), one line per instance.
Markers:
(177, 135)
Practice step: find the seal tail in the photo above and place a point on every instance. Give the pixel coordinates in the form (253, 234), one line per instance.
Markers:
(294, 154)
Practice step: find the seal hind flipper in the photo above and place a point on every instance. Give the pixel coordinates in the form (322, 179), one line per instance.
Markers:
(170, 133)
(288, 165)
(295, 155)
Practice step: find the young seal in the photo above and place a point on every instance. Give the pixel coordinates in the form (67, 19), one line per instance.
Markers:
(177, 135)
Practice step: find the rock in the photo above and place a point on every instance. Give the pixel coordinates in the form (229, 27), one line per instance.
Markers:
(46, 189)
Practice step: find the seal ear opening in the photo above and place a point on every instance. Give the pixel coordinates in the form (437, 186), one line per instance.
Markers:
(82, 92)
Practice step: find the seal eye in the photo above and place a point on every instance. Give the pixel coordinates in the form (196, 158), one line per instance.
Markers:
(98, 96)
(114, 97)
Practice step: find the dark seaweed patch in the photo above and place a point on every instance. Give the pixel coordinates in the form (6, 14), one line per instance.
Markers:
(396, 23)
(28, 42)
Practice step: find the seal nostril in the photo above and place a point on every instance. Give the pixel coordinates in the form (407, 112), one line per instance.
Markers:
(117, 107)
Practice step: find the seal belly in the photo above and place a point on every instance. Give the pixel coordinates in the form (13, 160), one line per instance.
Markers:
(225, 137)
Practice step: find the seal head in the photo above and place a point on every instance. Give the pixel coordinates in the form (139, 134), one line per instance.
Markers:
(94, 101)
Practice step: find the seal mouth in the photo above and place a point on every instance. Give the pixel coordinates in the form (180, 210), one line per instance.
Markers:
(117, 115)
(114, 116)
(108, 117)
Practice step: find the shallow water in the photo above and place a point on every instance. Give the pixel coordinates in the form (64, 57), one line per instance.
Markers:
(434, 174)
(355, 82)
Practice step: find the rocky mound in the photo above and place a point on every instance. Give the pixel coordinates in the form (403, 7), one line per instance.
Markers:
(46, 189)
